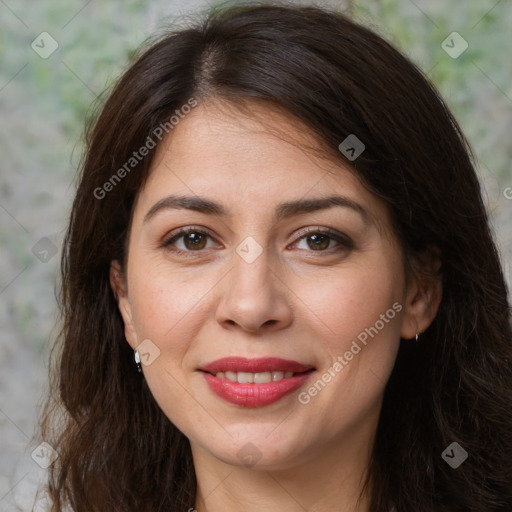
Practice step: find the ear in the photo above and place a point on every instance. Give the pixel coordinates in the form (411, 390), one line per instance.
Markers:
(423, 295)
(119, 287)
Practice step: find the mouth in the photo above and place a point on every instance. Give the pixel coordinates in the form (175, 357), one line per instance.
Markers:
(255, 382)
(255, 366)
(254, 378)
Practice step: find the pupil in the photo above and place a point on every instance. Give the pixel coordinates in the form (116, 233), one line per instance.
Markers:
(194, 239)
(319, 241)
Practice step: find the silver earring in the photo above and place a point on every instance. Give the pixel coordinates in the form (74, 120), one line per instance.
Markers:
(417, 336)
(137, 361)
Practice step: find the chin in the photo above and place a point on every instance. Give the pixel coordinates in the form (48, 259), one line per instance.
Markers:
(252, 446)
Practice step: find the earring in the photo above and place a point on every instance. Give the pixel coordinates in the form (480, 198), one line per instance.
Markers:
(417, 336)
(137, 361)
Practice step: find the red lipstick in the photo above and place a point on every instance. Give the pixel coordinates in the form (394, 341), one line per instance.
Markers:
(254, 394)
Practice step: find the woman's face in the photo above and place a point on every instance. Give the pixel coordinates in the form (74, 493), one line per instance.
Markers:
(269, 271)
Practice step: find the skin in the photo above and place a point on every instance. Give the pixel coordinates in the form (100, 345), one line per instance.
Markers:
(293, 301)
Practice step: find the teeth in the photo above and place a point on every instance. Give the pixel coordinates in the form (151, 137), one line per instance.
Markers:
(257, 378)
(245, 378)
(262, 378)
(277, 376)
(230, 376)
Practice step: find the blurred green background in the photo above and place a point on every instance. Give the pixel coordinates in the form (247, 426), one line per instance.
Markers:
(45, 101)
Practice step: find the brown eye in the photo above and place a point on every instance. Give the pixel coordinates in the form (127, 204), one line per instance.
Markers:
(187, 240)
(324, 241)
(194, 240)
(318, 241)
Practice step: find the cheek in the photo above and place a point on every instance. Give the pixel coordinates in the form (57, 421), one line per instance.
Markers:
(166, 302)
(169, 308)
(353, 300)
(169, 311)
(358, 321)
(359, 324)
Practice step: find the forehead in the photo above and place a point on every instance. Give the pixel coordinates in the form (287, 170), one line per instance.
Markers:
(254, 138)
(249, 160)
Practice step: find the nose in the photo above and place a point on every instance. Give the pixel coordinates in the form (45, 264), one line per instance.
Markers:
(254, 297)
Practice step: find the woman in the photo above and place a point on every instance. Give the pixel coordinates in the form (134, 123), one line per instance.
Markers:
(279, 286)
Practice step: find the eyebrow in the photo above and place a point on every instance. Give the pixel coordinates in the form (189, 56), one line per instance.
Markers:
(283, 211)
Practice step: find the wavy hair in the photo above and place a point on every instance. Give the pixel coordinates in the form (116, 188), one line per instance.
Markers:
(118, 451)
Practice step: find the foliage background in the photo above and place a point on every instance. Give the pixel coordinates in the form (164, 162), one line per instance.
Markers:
(43, 105)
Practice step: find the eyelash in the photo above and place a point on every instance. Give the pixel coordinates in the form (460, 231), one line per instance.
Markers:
(342, 240)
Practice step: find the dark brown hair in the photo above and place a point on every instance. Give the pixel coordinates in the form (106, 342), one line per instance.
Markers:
(118, 451)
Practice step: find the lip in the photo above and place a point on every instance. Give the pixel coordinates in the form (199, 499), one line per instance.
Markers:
(251, 394)
(262, 364)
